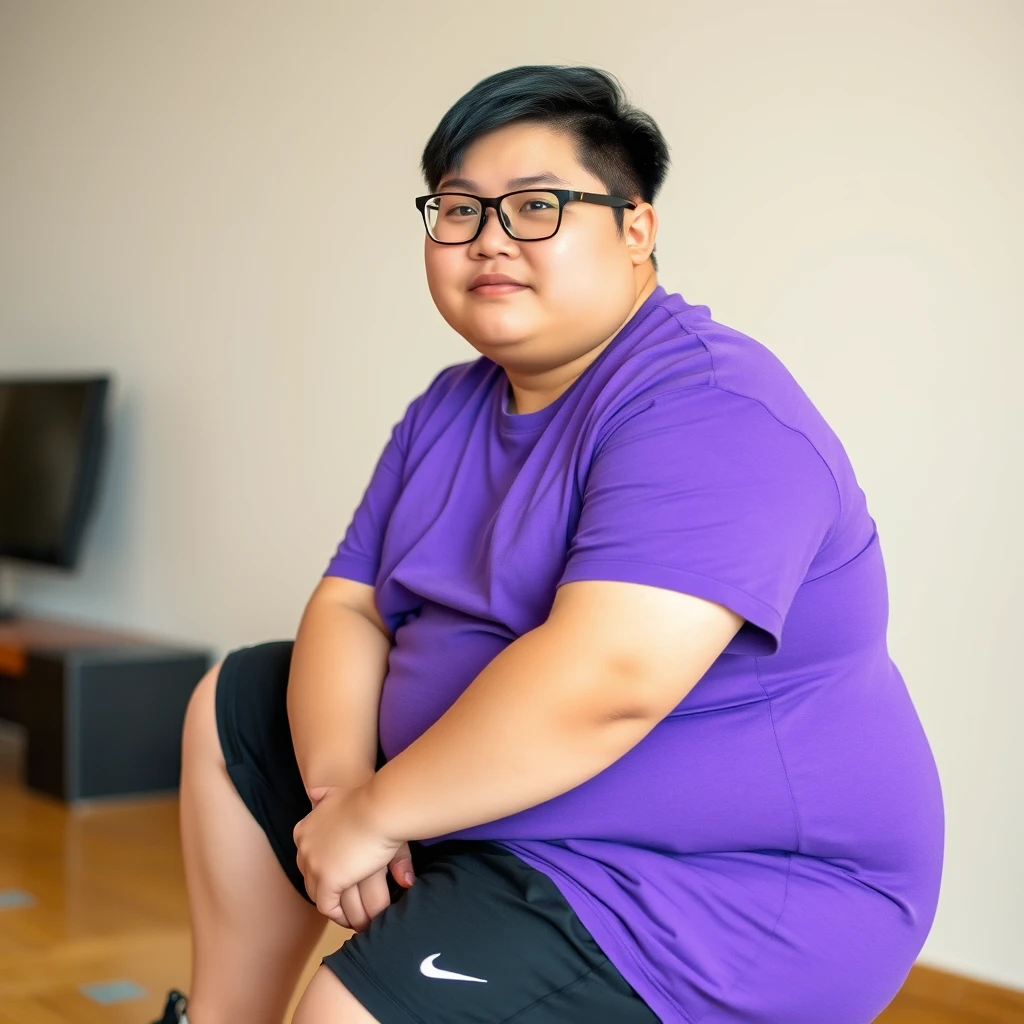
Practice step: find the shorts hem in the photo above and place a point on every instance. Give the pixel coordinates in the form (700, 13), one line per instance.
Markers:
(368, 988)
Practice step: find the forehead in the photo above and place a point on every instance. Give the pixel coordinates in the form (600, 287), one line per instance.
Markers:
(500, 160)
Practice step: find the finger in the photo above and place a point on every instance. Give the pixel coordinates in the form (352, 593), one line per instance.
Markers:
(310, 883)
(328, 900)
(339, 918)
(375, 893)
(332, 913)
(402, 867)
(351, 903)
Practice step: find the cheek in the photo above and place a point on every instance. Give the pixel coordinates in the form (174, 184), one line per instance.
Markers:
(444, 274)
(578, 269)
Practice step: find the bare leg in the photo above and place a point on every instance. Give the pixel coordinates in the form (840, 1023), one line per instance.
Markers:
(251, 931)
(327, 1001)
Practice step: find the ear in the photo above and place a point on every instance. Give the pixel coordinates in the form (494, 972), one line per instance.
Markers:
(641, 230)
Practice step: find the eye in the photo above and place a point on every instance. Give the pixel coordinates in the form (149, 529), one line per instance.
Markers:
(537, 206)
(461, 211)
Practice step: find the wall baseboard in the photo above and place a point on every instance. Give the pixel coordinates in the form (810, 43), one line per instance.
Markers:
(957, 994)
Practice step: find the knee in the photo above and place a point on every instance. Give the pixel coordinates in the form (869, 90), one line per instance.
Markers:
(327, 1001)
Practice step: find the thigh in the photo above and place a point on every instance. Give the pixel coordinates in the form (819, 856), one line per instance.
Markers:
(252, 724)
(482, 938)
(246, 953)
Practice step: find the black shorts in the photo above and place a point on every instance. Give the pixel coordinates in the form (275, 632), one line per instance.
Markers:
(475, 910)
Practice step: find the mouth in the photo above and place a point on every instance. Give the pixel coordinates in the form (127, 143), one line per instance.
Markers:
(504, 288)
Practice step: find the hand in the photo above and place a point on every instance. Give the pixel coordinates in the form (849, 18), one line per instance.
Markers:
(362, 902)
(344, 858)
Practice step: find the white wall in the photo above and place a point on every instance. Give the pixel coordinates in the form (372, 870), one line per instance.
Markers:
(175, 205)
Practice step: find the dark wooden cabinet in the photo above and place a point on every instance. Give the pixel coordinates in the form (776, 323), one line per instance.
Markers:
(103, 711)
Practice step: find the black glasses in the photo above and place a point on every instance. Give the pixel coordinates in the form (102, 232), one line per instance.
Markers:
(527, 215)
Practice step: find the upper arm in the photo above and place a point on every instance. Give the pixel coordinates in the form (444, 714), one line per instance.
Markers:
(658, 642)
(360, 597)
(358, 555)
(706, 493)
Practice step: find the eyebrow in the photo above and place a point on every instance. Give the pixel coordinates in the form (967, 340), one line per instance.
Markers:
(545, 178)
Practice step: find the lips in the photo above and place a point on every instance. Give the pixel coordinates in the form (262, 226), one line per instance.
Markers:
(494, 279)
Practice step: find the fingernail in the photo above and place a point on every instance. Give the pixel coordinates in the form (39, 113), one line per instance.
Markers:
(408, 878)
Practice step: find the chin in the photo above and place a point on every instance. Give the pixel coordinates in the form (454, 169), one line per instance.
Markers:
(494, 329)
(492, 345)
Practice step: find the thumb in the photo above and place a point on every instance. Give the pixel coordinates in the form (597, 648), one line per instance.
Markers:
(401, 866)
(317, 793)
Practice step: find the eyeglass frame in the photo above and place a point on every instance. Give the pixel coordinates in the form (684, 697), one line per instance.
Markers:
(563, 195)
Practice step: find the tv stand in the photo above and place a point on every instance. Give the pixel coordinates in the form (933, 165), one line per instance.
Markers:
(103, 709)
(8, 592)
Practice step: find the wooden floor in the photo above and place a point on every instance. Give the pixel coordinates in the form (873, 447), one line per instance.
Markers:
(104, 902)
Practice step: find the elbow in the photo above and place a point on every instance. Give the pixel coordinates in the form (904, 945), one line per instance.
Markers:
(630, 712)
(627, 696)
(630, 694)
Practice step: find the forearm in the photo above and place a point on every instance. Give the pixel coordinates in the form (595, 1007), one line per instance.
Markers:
(539, 720)
(337, 672)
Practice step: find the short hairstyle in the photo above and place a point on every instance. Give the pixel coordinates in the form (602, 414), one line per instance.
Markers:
(615, 141)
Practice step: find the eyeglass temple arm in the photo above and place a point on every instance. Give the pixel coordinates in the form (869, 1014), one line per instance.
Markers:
(602, 200)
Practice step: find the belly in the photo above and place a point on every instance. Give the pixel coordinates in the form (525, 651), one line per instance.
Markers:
(436, 655)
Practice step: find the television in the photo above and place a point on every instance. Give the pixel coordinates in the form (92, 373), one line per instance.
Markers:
(52, 436)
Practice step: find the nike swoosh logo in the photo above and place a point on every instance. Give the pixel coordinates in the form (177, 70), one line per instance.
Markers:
(427, 968)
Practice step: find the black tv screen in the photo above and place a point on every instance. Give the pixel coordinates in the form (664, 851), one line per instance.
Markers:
(51, 440)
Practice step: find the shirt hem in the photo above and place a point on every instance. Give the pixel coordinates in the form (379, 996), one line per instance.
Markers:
(352, 569)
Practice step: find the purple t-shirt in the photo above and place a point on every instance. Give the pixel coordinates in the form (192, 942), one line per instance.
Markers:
(770, 853)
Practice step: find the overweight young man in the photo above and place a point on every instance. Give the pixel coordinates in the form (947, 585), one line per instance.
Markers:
(591, 718)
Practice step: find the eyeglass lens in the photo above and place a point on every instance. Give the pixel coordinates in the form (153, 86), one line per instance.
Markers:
(455, 218)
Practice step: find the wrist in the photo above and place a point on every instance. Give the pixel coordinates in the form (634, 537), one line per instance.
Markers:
(372, 801)
(347, 778)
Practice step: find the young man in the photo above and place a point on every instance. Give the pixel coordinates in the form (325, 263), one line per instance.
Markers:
(615, 610)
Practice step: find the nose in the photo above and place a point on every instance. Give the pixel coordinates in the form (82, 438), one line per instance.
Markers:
(493, 239)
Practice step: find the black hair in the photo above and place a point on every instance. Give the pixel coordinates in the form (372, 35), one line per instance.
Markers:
(615, 141)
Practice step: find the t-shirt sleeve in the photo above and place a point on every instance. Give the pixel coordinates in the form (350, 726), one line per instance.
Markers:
(705, 492)
(358, 555)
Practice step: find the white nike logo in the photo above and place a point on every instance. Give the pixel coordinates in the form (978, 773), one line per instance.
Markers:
(427, 968)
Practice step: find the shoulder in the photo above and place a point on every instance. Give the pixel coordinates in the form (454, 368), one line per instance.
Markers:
(449, 386)
(691, 368)
(692, 385)
(452, 378)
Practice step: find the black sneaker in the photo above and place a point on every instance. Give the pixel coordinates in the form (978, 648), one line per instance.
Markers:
(174, 1012)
